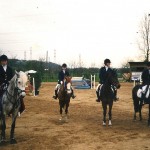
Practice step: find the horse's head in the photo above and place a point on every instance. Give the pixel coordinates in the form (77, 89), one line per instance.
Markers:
(68, 79)
(113, 79)
(66, 85)
(21, 82)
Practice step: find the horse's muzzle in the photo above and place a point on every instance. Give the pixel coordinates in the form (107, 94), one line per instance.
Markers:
(22, 94)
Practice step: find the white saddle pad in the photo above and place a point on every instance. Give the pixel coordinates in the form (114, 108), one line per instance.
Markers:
(143, 91)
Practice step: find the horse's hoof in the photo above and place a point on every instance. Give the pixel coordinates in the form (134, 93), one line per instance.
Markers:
(13, 141)
(66, 120)
(109, 123)
(104, 123)
(60, 119)
(2, 142)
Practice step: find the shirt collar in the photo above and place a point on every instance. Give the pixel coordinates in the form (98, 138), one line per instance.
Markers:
(106, 68)
(4, 67)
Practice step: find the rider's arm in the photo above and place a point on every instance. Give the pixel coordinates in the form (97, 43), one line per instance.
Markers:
(101, 75)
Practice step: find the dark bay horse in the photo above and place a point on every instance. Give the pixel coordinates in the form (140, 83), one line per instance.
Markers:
(107, 94)
(64, 94)
(137, 102)
(11, 103)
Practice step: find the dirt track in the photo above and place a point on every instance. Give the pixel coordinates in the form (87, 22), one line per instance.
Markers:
(39, 128)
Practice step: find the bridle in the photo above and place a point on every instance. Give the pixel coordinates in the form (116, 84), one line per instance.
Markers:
(17, 93)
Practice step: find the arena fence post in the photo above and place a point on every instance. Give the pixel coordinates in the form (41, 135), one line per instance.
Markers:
(92, 81)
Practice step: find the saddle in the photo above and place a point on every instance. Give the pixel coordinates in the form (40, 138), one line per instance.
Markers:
(99, 90)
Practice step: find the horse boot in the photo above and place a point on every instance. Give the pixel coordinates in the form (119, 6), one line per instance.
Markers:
(98, 98)
(22, 106)
(56, 95)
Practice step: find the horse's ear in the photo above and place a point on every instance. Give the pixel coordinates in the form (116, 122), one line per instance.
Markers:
(26, 72)
(17, 73)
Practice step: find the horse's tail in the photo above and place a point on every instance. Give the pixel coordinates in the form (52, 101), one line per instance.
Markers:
(136, 100)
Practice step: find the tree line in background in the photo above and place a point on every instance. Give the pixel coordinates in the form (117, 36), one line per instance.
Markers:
(48, 72)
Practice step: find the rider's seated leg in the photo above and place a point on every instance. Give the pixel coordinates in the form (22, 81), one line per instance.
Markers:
(56, 94)
(142, 99)
(72, 94)
(56, 91)
(115, 94)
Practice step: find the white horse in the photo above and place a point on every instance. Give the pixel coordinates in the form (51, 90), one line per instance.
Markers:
(11, 103)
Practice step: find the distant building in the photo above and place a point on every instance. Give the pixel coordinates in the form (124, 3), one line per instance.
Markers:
(136, 69)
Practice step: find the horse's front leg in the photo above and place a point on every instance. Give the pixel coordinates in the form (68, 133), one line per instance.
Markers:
(140, 111)
(134, 117)
(67, 105)
(66, 110)
(3, 128)
(61, 110)
(12, 137)
(110, 113)
(149, 117)
(104, 105)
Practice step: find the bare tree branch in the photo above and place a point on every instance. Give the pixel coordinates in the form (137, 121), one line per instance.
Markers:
(144, 43)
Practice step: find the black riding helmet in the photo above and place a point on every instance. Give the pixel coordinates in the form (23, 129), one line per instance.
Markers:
(64, 65)
(3, 58)
(107, 61)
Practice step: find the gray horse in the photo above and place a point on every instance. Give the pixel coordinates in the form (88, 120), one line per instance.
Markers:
(11, 103)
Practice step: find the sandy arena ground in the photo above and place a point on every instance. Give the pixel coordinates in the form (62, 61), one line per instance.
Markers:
(39, 128)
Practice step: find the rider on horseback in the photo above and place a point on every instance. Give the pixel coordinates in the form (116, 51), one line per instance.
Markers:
(146, 81)
(61, 77)
(6, 74)
(102, 76)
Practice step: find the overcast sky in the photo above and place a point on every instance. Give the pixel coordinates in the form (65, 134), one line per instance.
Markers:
(93, 29)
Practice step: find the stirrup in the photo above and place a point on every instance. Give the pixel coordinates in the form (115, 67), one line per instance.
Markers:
(73, 96)
(116, 99)
(55, 97)
(98, 100)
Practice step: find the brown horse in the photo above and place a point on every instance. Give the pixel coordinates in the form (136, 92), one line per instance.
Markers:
(107, 95)
(64, 94)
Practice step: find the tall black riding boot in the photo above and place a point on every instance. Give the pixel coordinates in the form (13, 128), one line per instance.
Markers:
(143, 99)
(56, 95)
(115, 95)
(98, 98)
(72, 95)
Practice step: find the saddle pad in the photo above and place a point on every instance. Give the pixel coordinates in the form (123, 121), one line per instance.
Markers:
(143, 91)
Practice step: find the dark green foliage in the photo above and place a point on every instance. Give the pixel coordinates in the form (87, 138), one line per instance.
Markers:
(48, 72)
(37, 79)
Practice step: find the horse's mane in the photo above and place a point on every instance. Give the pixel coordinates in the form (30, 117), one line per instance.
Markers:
(13, 79)
(21, 74)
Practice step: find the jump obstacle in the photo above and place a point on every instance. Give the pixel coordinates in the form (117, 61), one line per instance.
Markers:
(92, 81)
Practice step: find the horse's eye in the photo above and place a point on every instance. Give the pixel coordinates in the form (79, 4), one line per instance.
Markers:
(19, 82)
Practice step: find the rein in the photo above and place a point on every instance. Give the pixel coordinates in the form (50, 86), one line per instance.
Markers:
(9, 96)
(17, 91)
